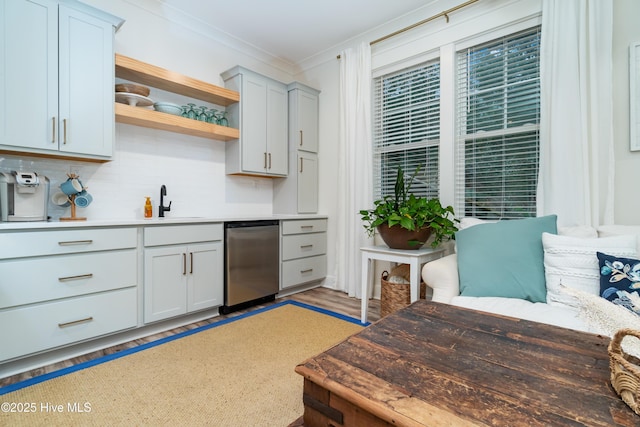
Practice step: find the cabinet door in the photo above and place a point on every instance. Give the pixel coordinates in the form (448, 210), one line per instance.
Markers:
(254, 124)
(86, 84)
(29, 73)
(277, 128)
(206, 278)
(307, 182)
(165, 283)
(308, 121)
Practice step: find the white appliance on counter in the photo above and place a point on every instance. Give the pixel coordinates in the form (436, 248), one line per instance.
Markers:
(23, 196)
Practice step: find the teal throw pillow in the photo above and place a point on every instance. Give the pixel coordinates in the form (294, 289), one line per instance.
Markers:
(504, 259)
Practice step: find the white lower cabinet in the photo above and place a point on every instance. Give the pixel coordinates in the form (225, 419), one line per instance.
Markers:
(39, 327)
(59, 287)
(303, 252)
(182, 278)
(64, 287)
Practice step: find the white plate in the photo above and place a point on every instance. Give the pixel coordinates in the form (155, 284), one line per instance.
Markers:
(133, 99)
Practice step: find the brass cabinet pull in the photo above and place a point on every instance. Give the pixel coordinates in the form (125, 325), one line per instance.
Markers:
(75, 322)
(301, 138)
(301, 164)
(191, 261)
(309, 270)
(53, 130)
(64, 127)
(306, 246)
(269, 160)
(76, 242)
(184, 264)
(306, 227)
(265, 160)
(78, 277)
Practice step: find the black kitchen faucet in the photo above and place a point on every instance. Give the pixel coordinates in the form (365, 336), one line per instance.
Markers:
(162, 209)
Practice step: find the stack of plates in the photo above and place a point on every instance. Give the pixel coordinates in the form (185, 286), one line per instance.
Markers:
(168, 107)
(132, 94)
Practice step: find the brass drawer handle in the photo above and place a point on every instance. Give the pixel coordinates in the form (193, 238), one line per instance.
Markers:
(306, 246)
(76, 242)
(78, 277)
(75, 322)
(309, 270)
(306, 227)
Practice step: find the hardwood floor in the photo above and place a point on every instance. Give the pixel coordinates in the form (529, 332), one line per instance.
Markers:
(320, 297)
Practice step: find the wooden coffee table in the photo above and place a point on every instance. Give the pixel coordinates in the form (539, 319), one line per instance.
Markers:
(433, 364)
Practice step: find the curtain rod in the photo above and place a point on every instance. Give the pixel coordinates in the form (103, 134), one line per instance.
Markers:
(424, 21)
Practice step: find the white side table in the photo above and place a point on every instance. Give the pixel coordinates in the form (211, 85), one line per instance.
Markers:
(414, 257)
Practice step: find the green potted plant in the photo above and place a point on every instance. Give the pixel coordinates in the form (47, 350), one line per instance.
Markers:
(405, 221)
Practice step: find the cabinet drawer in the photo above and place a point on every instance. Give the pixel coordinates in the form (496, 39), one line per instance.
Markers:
(298, 271)
(44, 326)
(181, 234)
(299, 226)
(28, 280)
(35, 243)
(303, 245)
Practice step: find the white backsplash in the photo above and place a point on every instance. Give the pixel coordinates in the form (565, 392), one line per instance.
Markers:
(192, 168)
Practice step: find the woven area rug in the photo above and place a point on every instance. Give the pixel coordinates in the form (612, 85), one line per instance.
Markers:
(236, 372)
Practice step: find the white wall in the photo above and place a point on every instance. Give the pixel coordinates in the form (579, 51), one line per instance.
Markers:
(625, 30)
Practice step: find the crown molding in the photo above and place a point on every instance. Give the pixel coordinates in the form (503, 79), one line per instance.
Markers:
(198, 26)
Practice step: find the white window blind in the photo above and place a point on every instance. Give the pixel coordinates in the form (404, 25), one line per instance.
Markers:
(498, 118)
(406, 132)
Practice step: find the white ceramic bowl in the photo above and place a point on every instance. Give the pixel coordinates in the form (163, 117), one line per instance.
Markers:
(168, 107)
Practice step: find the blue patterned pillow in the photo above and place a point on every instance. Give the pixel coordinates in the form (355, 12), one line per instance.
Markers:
(620, 281)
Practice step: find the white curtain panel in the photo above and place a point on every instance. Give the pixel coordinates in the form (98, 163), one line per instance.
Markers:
(576, 124)
(354, 165)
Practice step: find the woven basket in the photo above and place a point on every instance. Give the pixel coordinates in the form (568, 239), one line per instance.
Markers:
(625, 370)
(394, 296)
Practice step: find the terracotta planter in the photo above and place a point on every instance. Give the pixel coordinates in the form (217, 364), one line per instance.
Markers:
(397, 237)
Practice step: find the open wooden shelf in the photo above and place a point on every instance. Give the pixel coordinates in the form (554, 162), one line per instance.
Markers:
(147, 74)
(156, 120)
(160, 78)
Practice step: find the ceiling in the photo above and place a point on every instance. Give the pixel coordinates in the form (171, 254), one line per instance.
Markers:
(295, 30)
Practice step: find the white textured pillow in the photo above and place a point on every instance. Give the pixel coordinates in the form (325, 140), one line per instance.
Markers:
(470, 221)
(572, 261)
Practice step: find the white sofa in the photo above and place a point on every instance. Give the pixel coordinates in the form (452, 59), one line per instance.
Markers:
(442, 276)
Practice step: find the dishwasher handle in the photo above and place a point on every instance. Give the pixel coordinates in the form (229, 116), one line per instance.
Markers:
(257, 223)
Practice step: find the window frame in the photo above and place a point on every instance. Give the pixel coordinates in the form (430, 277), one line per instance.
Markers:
(472, 26)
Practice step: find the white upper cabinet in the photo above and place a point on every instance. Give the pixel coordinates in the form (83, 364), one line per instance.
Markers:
(298, 193)
(303, 117)
(261, 116)
(56, 82)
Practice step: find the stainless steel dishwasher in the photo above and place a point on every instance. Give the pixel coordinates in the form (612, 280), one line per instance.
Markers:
(252, 263)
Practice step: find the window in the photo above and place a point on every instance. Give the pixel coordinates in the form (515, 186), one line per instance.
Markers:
(498, 117)
(406, 133)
